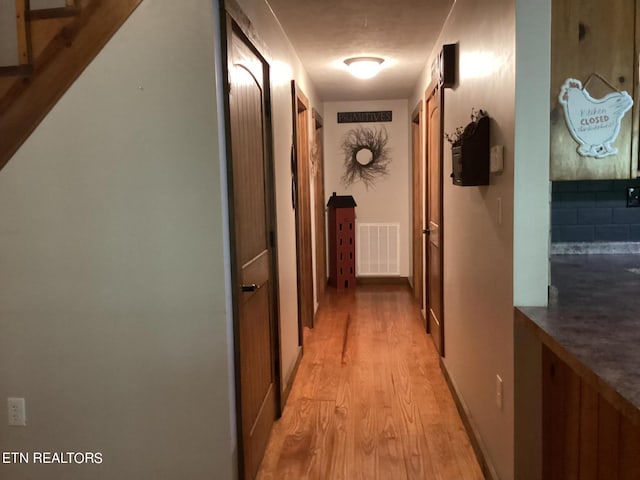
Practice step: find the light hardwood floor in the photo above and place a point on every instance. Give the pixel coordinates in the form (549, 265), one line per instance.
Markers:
(369, 400)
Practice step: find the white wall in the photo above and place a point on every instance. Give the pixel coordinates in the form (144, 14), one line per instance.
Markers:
(114, 323)
(388, 200)
(531, 222)
(285, 66)
(478, 245)
(532, 197)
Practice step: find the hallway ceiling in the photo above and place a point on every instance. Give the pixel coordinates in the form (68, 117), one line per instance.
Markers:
(326, 32)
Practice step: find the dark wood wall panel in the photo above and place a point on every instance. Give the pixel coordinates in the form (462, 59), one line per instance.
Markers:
(588, 433)
(608, 435)
(584, 436)
(629, 452)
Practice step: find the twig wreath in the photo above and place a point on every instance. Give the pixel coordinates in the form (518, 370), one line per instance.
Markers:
(365, 155)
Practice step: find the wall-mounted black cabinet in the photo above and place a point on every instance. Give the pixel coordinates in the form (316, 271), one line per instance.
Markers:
(471, 157)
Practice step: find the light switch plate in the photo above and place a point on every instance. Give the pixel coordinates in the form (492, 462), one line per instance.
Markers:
(497, 159)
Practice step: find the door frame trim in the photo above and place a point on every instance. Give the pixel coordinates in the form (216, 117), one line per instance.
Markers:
(229, 24)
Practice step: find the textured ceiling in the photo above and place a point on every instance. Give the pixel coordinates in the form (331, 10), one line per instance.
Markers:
(325, 32)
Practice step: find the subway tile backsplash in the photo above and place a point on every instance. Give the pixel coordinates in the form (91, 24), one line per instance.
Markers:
(593, 211)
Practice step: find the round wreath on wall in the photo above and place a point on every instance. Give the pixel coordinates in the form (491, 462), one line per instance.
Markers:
(366, 155)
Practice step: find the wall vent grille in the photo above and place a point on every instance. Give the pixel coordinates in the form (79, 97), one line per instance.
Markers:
(378, 249)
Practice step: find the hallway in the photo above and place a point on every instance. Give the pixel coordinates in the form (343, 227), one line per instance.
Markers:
(369, 400)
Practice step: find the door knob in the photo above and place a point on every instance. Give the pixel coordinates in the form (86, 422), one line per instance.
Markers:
(426, 231)
(252, 287)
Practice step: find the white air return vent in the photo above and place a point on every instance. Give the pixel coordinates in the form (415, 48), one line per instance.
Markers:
(378, 249)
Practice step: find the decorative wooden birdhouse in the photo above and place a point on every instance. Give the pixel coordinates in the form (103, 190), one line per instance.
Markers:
(342, 241)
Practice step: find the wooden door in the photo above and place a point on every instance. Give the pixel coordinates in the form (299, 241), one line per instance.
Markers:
(434, 307)
(303, 209)
(253, 249)
(417, 203)
(320, 206)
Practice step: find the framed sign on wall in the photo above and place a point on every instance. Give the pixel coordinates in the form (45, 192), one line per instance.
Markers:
(593, 123)
(445, 66)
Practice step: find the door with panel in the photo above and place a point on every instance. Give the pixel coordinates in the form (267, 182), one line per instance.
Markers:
(433, 250)
(417, 202)
(320, 206)
(253, 251)
(304, 238)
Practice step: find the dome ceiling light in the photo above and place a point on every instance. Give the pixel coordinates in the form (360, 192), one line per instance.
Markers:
(364, 67)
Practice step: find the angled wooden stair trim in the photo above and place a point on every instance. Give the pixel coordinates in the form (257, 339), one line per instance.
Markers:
(58, 60)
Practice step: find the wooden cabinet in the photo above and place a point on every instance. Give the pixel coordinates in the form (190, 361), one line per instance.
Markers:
(594, 37)
(584, 436)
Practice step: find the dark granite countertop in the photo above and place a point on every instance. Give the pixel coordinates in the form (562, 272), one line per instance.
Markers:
(594, 324)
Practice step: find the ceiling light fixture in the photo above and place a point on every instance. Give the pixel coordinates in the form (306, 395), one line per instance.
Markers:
(364, 67)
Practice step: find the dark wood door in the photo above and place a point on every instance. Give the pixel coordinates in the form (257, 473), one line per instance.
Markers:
(253, 253)
(417, 203)
(320, 206)
(434, 310)
(304, 238)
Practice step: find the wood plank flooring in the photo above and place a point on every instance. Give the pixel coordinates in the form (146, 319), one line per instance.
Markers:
(369, 400)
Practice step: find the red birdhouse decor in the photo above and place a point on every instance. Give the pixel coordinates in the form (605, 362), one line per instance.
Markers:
(342, 241)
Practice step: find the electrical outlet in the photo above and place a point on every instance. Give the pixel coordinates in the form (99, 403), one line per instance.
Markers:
(499, 392)
(633, 196)
(17, 412)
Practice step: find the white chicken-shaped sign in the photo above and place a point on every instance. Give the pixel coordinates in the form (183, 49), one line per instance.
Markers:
(593, 123)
